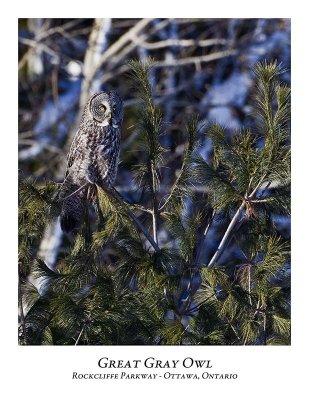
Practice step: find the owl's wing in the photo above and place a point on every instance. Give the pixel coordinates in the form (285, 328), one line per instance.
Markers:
(73, 150)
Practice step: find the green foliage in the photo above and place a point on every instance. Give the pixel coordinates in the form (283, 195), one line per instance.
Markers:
(240, 166)
(115, 220)
(244, 297)
(150, 127)
(116, 283)
(37, 206)
(182, 188)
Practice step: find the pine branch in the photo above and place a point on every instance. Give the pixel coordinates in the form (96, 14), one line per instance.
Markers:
(226, 235)
(113, 192)
(273, 158)
(203, 238)
(111, 289)
(21, 311)
(150, 121)
(231, 226)
(80, 335)
(155, 210)
(141, 208)
(182, 185)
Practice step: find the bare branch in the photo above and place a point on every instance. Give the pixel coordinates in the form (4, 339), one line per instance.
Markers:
(39, 46)
(80, 335)
(124, 39)
(96, 45)
(58, 29)
(195, 60)
(155, 205)
(182, 43)
(226, 235)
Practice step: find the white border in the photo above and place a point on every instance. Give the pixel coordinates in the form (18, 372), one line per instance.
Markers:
(36, 372)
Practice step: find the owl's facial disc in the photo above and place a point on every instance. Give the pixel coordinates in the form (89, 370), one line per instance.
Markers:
(100, 110)
(106, 109)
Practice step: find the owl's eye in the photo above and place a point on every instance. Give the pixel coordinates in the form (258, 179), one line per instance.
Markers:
(102, 108)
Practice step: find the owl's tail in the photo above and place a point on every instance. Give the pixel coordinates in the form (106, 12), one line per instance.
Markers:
(73, 206)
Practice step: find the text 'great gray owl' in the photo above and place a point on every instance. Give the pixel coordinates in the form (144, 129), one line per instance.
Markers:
(93, 156)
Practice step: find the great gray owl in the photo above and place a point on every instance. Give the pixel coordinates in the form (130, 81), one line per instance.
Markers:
(93, 156)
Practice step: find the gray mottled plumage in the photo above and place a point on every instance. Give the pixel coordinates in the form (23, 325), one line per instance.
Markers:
(93, 156)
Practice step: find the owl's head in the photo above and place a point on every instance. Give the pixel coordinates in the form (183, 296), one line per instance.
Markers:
(106, 108)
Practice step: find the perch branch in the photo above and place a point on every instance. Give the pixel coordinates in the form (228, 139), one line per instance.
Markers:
(113, 192)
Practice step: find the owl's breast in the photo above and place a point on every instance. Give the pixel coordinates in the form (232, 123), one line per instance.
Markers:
(109, 142)
(107, 155)
(96, 157)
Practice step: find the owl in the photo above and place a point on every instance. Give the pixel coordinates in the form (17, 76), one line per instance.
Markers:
(93, 157)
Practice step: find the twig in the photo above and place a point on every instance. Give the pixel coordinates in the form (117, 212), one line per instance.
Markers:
(141, 208)
(249, 286)
(58, 29)
(21, 310)
(77, 190)
(135, 43)
(231, 226)
(80, 335)
(209, 223)
(32, 142)
(128, 36)
(171, 63)
(264, 329)
(24, 58)
(226, 235)
(113, 192)
(54, 81)
(194, 60)
(234, 330)
(201, 242)
(174, 186)
(155, 206)
(261, 200)
(41, 46)
(181, 43)
(265, 188)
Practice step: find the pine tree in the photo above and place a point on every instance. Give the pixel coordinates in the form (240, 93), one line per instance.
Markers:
(116, 282)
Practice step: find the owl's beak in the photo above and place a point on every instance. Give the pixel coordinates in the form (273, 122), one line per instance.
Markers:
(109, 116)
